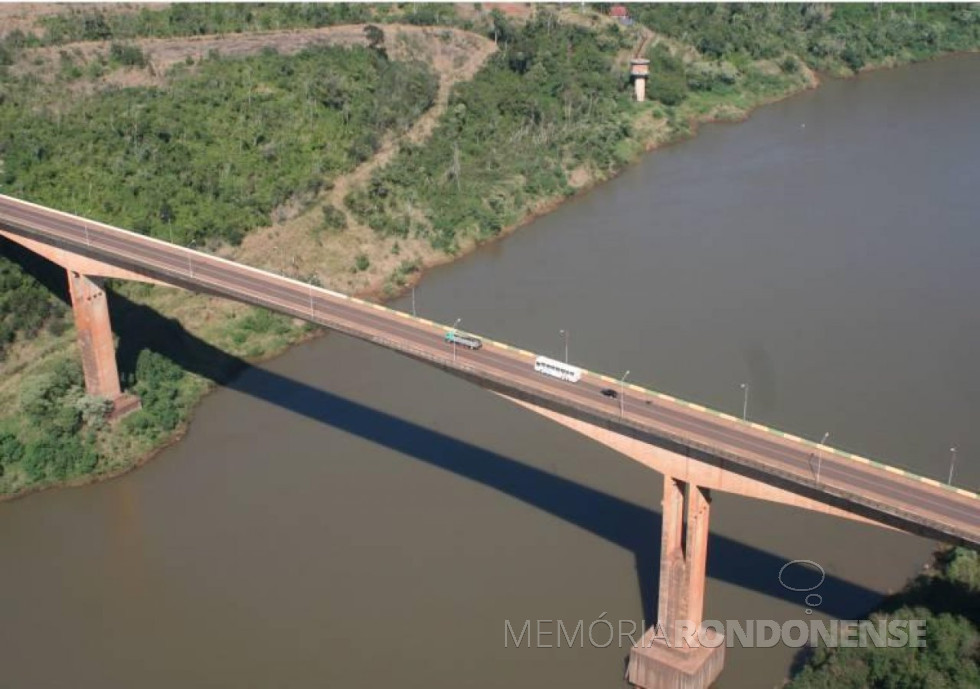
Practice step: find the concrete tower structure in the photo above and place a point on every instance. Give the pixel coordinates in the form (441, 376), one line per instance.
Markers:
(639, 71)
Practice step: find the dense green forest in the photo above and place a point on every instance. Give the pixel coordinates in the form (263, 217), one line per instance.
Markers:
(193, 19)
(948, 599)
(824, 36)
(211, 154)
(549, 101)
(731, 39)
(196, 19)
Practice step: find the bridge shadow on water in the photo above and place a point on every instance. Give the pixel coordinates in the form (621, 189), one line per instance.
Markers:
(618, 521)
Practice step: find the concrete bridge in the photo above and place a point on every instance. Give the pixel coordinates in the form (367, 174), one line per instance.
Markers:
(698, 450)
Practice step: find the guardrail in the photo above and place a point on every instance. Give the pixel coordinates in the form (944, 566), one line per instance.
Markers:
(86, 246)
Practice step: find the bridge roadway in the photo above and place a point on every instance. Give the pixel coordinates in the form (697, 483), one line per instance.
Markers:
(894, 497)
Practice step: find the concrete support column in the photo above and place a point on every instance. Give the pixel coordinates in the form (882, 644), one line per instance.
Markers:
(669, 656)
(683, 553)
(88, 302)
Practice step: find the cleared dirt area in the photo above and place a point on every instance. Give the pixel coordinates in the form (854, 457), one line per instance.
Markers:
(402, 41)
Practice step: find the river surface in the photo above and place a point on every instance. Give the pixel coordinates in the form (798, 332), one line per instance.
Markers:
(345, 517)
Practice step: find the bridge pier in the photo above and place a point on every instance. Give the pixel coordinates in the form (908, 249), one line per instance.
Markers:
(95, 343)
(670, 655)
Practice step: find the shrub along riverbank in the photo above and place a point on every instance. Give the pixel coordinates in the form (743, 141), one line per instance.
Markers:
(214, 148)
(947, 598)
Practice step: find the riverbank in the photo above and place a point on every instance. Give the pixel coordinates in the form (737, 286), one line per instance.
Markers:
(946, 598)
(382, 249)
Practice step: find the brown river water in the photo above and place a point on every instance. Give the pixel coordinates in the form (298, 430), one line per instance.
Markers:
(345, 517)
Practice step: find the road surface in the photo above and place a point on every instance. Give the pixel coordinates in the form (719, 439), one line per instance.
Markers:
(869, 488)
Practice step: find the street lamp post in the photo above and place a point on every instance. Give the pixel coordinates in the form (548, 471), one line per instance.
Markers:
(952, 464)
(455, 325)
(745, 401)
(565, 334)
(622, 395)
(823, 441)
(413, 301)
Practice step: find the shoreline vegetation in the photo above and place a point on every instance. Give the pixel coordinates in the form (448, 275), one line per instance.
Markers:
(946, 596)
(487, 121)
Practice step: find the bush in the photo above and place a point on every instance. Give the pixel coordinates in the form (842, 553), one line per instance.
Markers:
(39, 456)
(94, 410)
(157, 383)
(669, 89)
(376, 40)
(59, 459)
(127, 55)
(57, 326)
(852, 58)
(259, 321)
(708, 76)
(11, 449)
(44, 397)
(334, 219)
(668, 80)
(154, 370)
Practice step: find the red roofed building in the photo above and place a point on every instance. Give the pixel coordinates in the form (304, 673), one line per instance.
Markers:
(621, 13)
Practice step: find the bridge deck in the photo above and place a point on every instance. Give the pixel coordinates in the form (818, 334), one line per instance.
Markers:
(864, 486)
